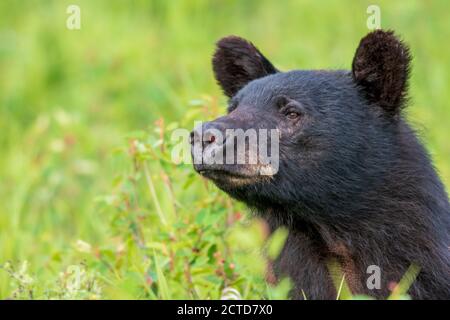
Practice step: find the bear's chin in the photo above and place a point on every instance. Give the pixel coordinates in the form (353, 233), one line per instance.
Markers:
(228, 178)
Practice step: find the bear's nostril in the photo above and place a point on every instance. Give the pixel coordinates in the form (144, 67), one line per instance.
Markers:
(210, 137)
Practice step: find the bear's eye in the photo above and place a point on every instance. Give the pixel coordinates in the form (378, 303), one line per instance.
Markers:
(292, 115)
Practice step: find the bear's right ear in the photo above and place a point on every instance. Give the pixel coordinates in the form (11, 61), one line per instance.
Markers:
(236, 62)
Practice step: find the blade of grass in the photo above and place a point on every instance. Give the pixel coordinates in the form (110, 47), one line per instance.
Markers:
(163, 288)
(401, 289)
(151, 187)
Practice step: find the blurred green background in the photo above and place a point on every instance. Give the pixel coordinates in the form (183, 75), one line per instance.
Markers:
(70, 98)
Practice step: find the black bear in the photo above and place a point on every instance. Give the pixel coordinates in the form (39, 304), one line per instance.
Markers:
(354, 184)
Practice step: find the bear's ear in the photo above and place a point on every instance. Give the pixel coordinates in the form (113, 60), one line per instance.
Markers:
(236, 62)
(381, 69)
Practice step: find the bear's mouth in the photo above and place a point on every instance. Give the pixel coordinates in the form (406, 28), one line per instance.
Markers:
(234, 175)
(225, 171)
(223, 174)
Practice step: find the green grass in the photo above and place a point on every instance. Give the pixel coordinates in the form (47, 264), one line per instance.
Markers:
(75, 192)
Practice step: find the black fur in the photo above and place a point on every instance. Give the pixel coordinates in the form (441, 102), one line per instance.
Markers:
(354, 183)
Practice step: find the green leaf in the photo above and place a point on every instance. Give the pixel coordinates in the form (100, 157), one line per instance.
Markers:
(276, 242)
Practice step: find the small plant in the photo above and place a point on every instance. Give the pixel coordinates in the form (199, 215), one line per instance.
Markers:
(75, 283)
(21, 282)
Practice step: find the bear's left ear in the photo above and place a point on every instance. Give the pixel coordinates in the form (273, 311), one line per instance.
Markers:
(381, 69)
(236, 62)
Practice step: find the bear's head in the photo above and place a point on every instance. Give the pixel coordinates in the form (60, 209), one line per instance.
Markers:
(337, 131)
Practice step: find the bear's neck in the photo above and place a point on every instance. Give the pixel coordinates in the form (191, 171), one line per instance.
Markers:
(390, 226)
